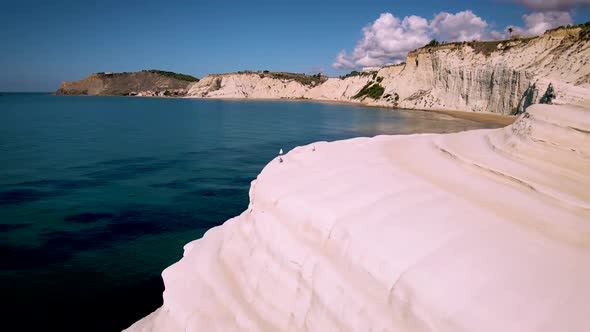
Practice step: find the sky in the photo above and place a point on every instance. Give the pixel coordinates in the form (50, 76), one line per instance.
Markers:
(46, 42)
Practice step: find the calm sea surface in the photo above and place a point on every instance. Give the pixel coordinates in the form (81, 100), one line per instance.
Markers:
(99, 194)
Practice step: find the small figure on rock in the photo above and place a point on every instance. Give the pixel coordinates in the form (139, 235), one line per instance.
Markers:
(313, 148)
(280, 155)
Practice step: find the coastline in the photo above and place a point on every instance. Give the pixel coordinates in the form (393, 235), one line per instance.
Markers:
(399, 244)
(481, 117)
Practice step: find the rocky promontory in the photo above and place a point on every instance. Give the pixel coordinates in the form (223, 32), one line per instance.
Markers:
(142, 83)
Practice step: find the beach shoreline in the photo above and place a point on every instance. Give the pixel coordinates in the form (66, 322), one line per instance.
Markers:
(481, 117)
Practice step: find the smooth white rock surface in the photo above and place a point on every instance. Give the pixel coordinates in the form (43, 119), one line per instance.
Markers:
(485, 230)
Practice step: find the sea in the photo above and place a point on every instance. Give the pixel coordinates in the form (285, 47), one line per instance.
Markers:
(99, 194)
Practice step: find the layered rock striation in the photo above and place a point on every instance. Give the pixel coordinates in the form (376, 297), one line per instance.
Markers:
(501, 77)
(483, 230)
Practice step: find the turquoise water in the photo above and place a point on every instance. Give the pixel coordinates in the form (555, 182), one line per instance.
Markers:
(99, 194)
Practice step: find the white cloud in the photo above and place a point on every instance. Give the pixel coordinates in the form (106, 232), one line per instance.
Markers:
(498, 35)
(462, 26)
(389, 39)
(538, 23)
(541, 5)
(342, 61)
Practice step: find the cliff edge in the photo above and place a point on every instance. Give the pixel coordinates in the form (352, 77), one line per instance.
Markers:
(484, 230)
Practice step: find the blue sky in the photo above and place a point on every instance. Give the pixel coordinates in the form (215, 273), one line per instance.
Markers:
(46, 42)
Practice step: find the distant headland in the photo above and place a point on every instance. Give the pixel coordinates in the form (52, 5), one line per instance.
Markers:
(142, 83)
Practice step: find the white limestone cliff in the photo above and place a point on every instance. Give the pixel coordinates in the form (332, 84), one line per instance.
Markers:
(484, 230)
(500, 77)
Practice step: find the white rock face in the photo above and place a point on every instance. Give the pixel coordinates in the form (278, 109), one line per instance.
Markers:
(494, 77)
(246, 86)
(484, 230)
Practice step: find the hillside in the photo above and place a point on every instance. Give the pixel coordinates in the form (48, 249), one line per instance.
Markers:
(497, 76)
(147, 83)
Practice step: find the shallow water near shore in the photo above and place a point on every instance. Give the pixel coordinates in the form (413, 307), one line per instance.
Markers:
(99, 194)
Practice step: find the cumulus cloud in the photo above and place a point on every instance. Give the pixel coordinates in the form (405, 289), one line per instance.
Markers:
(462, 26)
(539, 22)
(499, 35)
(547, 14)
(389, 39)
(343, 61)
(543, 5)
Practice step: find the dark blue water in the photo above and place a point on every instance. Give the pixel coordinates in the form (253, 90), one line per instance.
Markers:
(99, 194)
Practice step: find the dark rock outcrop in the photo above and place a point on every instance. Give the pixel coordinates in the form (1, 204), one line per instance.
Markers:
(549, 95)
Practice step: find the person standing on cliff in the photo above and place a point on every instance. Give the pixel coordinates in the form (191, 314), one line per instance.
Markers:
(280, 155)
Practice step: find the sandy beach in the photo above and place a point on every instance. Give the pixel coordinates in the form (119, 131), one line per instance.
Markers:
(482, 117)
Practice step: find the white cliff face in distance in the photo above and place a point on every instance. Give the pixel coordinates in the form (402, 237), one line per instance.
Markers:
(499, 77)
(484, 230)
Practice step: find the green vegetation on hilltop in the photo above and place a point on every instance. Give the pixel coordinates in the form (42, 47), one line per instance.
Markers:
(301, 78)
(432, 43)
(145, 82)
(358, 73)
(585, 32)
(182, 77)
(484, 47)
(304, 79)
